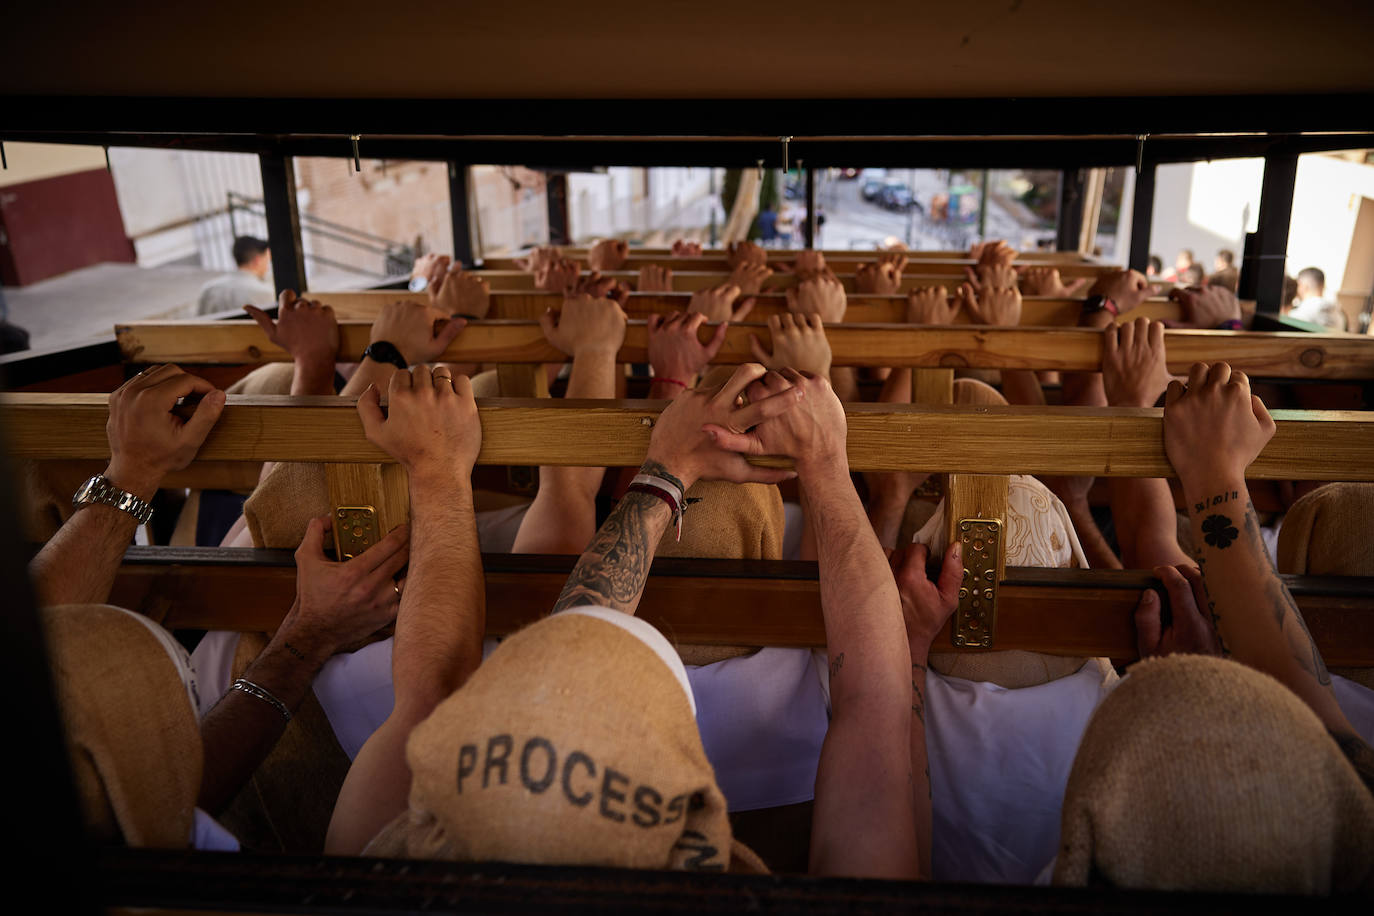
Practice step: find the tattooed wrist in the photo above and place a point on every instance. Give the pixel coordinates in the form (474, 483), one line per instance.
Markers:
(656, 469)
(1216, 499)
(613, 569)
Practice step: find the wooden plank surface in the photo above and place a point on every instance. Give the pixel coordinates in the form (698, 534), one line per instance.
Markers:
(704, 602)
(1281, 355)
(1065, 441)
(787, 254)
(863, 309)
(682, 281)
(846, 262)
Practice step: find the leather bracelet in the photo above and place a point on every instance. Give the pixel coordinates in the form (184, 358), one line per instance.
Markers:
(1098, 303)
(1231, 324)
(253, 690)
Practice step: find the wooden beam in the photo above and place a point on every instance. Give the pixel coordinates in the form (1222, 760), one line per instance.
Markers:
(1278, 355)
(529, 305)
(1064, 441)
(726, 602)
(839, 263)
(1033, 257)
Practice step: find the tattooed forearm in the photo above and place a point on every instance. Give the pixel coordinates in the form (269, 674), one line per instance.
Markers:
(612, 571)
(656, 469)
(1217, 500)
(918, 702)
(836, 664)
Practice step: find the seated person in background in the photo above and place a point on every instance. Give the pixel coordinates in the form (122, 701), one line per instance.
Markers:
(1224, 272)
(1181, 263)
(658, 804)
(247, 285)
(1313, 305)
(1154, 268)
(1192, 275)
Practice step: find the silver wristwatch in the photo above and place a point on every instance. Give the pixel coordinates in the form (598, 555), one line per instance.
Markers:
(100, 490)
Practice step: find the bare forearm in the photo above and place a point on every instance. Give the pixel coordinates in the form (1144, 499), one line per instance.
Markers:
(863, 617)
(845, 381)
(241, 730)
(1146, 522)
(78, 565)
(1095, 547)
(442, 618)
(313, 376)
(369, 372)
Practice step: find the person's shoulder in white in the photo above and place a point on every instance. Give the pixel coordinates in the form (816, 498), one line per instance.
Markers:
(232, 292)
(1320, 310)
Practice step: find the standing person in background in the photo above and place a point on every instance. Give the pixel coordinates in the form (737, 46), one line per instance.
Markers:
(768, 224)
(247, 285)
(1224, 272)
(1312, 302)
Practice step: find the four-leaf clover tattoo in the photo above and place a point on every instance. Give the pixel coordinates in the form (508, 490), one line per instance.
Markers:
(1218, 531)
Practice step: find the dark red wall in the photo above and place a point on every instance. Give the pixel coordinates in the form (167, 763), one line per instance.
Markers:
(54, 225)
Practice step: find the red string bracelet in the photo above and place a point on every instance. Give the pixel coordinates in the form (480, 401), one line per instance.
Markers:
(670, 381)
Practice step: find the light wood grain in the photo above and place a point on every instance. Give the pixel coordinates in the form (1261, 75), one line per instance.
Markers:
(1064, 441)
(1272, 354)
(846, 262)
(528, 305)
(932, 386)
(788, 255)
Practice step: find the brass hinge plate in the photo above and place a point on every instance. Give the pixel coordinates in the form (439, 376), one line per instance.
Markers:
(975, 620)
(355, 530)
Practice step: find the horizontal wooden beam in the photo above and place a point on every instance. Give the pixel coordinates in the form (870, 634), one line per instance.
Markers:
(529, 305)
(1278, 355)
(839, 263)
(1034, 258)
(725, 602)
(1066, 441)
(684, 281)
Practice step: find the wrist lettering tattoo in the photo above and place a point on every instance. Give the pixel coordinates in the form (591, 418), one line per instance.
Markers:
(613, 569)
(1216, 500)
(295, 653)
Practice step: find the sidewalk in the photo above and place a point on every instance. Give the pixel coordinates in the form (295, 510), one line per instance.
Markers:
(83, 306)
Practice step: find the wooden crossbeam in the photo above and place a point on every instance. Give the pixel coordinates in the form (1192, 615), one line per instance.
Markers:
(725, 602)
(685, 281)
(846, 262)
(1033, 258)
(1065, 441)
(529, 305)
(1272, 354)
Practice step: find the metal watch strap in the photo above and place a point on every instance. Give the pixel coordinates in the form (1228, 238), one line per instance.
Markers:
(99, 490)
(384, 351)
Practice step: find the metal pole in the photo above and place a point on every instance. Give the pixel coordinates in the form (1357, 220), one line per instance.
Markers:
(809, 227)
(1269, 256)
(283, 221)
(1142, 216)
(459, 213)
(983, 208)
(556, 194)
(1071, 183)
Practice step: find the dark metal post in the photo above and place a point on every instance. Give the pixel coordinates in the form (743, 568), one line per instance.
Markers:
(283, 221)
(809, 228)
(1142, 216)
(458, 210)
(1269, 256)
(1072, 183)
(983, 209)
(556, 191)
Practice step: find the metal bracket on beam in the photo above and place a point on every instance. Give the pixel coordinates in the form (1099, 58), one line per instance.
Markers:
(975, 620)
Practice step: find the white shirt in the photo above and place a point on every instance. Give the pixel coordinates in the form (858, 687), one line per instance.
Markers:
(1320, 310)
(231, 292)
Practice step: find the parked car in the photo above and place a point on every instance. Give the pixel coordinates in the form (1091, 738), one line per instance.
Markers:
(896, 197)
(871, 188)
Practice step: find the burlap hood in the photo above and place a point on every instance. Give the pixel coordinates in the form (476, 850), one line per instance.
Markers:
(573, 744)
(1198, 773)
(131, 729)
